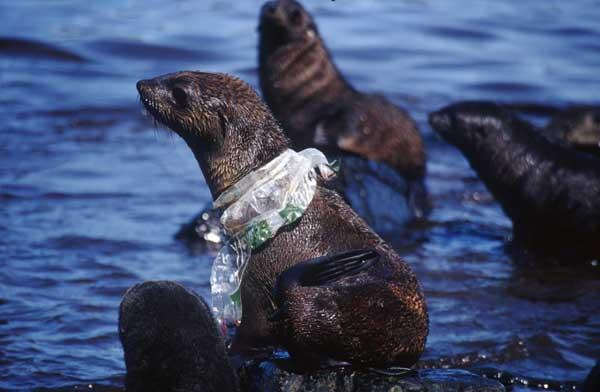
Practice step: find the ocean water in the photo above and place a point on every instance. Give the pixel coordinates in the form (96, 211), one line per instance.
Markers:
(91, 193)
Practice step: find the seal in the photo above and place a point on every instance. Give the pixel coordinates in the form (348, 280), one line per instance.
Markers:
(171, 341)
(318, 106)
(578, 127)
(550, 192)
(376, 317)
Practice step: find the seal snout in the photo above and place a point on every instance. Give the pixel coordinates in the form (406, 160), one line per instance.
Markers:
(144, 88)
(141, 85)
(440, 121)
(272, 13)
(269, 8)
(152, 93)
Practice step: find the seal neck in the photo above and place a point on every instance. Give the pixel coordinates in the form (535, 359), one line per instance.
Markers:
(284, 184)
(225, 166)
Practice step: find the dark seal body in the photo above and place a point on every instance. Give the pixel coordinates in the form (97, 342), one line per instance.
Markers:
(316, 105)
(171, 342)
(376, 317)
(550, 192)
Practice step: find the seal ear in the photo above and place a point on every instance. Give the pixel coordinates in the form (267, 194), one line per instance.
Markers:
(180, 96)
(223, 125)
(222, 120)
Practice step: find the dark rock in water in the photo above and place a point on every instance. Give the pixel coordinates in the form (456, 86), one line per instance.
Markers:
(271, 376)
(370, 187)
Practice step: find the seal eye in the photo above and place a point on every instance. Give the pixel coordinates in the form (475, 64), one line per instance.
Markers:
(296, 17)
(179, 96)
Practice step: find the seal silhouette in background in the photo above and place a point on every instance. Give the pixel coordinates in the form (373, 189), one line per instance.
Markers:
(577, 126)
(318, 106)
(374, 315)
(550, 192)
(171, 341)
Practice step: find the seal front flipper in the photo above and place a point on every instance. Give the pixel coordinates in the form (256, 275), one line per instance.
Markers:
(320, 271)
(326, 269)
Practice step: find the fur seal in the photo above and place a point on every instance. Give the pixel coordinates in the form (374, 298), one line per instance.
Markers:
(578, 127)
(376, 317)
(318, 106)
(550, 192)
(171, 341)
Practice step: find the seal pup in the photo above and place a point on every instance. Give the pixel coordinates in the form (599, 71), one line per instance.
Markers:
(171, 341)
(578, 127)
(550, 192)
(318, 106)
(376, 317)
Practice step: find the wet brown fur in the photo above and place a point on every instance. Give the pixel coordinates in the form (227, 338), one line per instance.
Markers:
(377, 317)
(306, 91)
(171, 342)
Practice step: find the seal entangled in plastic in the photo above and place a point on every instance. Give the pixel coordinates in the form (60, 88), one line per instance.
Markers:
(256, 207)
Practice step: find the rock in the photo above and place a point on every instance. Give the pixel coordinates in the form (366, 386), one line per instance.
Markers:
(275, 376)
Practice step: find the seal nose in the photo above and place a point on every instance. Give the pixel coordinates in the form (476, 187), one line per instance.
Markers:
(440, 121)
(142, 86)
(269, 8)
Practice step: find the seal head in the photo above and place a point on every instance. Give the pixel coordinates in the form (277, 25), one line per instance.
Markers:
(221, 119)
(285, 22)
(171, 341)
(469, 125)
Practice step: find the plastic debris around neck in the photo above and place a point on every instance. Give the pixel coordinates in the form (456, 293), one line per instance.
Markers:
(257, 206)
